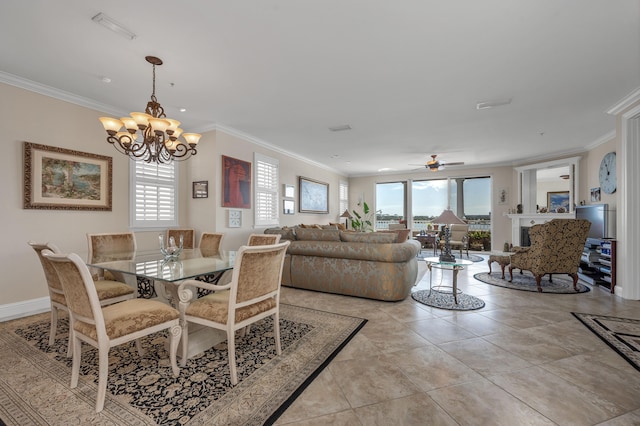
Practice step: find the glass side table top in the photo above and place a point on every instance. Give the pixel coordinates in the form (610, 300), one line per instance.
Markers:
(458, 262)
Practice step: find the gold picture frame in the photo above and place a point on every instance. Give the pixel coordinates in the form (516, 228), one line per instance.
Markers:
(63, 179)
(558, 202)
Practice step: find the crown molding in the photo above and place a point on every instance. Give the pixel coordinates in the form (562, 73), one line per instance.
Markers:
(625, 102)
(51, 92)
(602, 139)
(239, 134)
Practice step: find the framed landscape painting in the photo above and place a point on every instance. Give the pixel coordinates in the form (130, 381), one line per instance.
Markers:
(63, 179)
(314, 196)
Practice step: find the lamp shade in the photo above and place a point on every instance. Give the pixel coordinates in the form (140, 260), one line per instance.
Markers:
(448, 217)
(346, 214)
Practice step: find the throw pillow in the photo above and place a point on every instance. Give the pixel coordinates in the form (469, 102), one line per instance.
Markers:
(340, 226)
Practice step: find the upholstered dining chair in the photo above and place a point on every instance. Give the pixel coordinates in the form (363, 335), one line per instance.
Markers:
(188, 237)
(556, 248)
(252, 294)
(106, 327)
(108, 291)
(254, 240)
(210, 242)
(106, 247)
(263, 239)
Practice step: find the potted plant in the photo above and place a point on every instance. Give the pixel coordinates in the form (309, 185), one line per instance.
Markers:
(362, 222)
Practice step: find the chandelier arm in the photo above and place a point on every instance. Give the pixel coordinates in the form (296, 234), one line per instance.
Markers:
(159, 145)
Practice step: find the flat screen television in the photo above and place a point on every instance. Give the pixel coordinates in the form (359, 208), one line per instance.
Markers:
(598, 215)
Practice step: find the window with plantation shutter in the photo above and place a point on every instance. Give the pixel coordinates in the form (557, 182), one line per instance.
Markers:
(154, 195)
(266, 190)
(344, 196)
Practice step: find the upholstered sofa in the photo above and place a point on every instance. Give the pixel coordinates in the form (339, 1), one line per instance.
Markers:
(370, 265)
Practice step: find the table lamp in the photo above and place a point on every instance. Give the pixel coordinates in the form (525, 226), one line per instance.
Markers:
(348, 216)
(447, 217)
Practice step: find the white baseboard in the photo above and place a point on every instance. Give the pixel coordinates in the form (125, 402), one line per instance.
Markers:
(24, 308)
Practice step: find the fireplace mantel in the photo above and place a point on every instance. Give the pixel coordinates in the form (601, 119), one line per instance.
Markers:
(527, 220)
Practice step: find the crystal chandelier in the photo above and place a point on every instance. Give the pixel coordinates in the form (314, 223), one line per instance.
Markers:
(150, 136)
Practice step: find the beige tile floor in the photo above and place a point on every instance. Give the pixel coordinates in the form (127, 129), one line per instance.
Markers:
(523, 359)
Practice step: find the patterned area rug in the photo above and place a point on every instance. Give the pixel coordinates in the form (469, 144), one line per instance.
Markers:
(621, 334)
(562, 284)
(429, 253)
(441, 300)
(35, 377)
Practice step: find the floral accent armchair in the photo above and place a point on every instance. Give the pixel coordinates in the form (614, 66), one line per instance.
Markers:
(556, 248)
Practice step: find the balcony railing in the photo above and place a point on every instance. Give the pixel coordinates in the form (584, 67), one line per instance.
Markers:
(420, 225)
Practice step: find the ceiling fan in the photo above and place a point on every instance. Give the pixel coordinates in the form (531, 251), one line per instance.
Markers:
(434, 165)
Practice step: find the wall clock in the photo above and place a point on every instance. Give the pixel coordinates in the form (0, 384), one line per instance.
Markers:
(235, 218)
(607, 174)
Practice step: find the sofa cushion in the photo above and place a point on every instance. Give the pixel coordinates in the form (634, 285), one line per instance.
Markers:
(309, 234)
(285, 233)
(368, 237)
(365, 251)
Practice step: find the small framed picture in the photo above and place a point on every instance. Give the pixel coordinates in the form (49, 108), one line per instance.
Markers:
(201, 189)
(595, 194)
(289, 191)
(288, 207)
(235, 218)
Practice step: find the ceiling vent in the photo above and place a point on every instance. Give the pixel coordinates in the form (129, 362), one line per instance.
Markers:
(493, 104)
(340, 128)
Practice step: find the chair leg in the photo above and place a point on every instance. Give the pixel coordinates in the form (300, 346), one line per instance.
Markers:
(71, 341)
(175, 332)
(54, 325)
(139, 348)
(575, 281)
(184, 341)
(538, 279)
(276, 331)
(77, 359)
(103, 373)
(231, 344)
(510, 274)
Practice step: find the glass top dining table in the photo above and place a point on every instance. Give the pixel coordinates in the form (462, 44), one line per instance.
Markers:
(153, 265)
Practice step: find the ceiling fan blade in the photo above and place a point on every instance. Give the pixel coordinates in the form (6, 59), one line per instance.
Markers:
(423, 165)
(459, 163)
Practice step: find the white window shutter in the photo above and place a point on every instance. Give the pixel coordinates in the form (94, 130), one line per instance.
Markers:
(266, 190)
(154, 190)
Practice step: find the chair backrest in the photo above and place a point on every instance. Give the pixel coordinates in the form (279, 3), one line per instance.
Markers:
(263, 239)
(210, 243)
(556, 246)
(111, 246)
(50, 274)
(257, 274)
(458, 231)
(396, 226)
(81, 293)
(188, 237)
